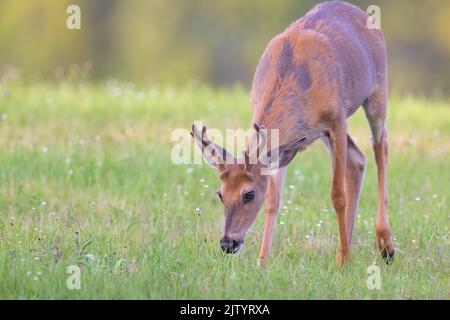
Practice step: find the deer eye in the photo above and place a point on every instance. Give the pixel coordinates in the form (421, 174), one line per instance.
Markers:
(249, 196)
(219, 195)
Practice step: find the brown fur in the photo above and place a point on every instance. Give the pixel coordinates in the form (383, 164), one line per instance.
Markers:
(310, 79)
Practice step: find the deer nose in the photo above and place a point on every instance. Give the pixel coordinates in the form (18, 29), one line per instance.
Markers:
(229, 245)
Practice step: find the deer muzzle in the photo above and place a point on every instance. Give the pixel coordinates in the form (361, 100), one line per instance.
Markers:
(229, 245)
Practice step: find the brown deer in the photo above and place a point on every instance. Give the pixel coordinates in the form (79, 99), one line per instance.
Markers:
(310, 79)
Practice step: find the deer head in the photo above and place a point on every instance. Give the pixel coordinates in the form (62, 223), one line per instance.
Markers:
(243, 186)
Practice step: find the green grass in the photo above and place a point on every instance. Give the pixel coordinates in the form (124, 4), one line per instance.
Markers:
(86, 179)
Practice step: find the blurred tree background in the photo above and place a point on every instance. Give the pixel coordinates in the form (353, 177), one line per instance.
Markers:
(218, 42)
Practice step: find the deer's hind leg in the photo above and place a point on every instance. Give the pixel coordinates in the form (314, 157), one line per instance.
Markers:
(375, 110)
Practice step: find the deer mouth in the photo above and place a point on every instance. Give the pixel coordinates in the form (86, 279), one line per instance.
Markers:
(230, 246)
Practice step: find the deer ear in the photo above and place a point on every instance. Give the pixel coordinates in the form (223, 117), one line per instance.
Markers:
(282, 156)
(215, 155)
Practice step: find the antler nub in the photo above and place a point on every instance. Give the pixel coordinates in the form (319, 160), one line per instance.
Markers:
(217, 153)
(203, 138)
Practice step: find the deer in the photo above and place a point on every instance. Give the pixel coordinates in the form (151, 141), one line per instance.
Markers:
(310, 79)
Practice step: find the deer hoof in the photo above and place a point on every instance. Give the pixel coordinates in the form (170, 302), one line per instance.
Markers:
(388, 256)
(262, 262)
(342, 258)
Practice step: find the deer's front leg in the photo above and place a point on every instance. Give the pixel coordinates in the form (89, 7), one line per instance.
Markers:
(273, 197)
(338, 142)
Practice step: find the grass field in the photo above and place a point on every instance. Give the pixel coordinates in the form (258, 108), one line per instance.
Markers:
(86, 179)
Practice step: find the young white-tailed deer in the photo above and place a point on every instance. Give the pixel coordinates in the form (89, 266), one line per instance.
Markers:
(310, 79)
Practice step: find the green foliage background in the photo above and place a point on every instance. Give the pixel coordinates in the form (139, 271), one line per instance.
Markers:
(219, 42)
(86, 176)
